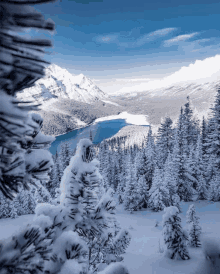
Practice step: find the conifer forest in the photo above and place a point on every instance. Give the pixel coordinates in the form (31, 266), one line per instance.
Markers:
(87, 207)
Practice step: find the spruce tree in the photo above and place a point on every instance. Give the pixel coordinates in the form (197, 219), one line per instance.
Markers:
(164, 141)
(200, 173)
(89, 215)
(216, 133)
(131, 191)
(214, 189)
(189, 128)
(150, 159)
(170, 180)
(174, 237)
(21, 65)
(185, 188)
(159, 193)
(194, 227)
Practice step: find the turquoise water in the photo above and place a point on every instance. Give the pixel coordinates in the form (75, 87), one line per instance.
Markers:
(100, 131)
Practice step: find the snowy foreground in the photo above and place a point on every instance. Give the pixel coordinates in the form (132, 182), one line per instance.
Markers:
(142, 253)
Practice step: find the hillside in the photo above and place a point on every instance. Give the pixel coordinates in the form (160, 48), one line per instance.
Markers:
(72, 101)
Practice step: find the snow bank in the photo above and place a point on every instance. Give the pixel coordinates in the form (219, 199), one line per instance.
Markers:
(133, 119)
(115, 268)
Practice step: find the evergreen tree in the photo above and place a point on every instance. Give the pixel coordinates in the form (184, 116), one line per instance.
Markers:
(191, 168)
(159, 193)
(189, 128)
(90, 216)
(204, 138)
(54, 183)
(200, 173)
(150, 159)
(194, 228)
(21, 65)
(214, 193)
(185, 189)
(170, 180)
(143, 194)
(65, 154)
(131, 191)
(164, 141)
(174, 237)
(216, 133)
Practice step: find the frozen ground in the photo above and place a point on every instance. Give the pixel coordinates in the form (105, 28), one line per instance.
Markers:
(133, 119)
(142, 255)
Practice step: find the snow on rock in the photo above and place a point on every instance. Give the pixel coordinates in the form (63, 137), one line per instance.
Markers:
(59, 83)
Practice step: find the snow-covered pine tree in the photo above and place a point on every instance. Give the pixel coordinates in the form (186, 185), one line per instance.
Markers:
(210, 144)
(13, 211)
(185, 188)
(29, 202)
(90, 217)
(194, 228)
(18, 129)
(174, 237)
(189, 128)
(54, 182)
(216, 133)
(131, 194)
(59, 166)
(170, 180)
(164, 141)
(200, 173)
(191, 168)
(159, 193)
(142, 191)
(204, 137)
(65, 153)
(214, 189)
(150, 159)
(22, 153)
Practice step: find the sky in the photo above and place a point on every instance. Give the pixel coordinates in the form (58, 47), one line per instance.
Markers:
(124, 43)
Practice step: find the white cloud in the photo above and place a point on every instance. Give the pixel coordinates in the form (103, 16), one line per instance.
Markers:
(133, 80)
(152, 35)
(162, 32)
(200, 71)
(180, 38)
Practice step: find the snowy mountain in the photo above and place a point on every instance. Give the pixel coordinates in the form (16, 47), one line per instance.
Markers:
(157, 103)
(59, 83)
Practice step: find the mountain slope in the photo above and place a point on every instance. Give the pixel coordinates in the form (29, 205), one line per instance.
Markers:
(158, 103)
(59, 83)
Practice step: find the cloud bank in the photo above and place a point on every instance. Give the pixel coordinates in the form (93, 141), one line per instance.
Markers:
(200, 71)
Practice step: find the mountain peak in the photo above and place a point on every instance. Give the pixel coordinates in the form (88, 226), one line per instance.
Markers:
(59, 83)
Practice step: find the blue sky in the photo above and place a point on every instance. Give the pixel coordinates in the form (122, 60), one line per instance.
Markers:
(112, 39)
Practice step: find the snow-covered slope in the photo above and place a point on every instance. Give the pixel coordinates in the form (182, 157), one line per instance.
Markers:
(59, 83)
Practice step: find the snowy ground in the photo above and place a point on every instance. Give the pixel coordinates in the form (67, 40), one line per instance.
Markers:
(142, 254)
(133, 119)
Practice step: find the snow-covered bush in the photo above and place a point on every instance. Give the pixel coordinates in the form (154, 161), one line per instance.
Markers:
(174, 237)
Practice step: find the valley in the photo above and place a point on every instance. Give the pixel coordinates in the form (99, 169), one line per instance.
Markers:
(69, 102)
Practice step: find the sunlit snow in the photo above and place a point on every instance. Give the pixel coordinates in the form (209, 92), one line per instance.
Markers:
(134, 119)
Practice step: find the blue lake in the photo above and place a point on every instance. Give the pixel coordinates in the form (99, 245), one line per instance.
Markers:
(100, 131)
